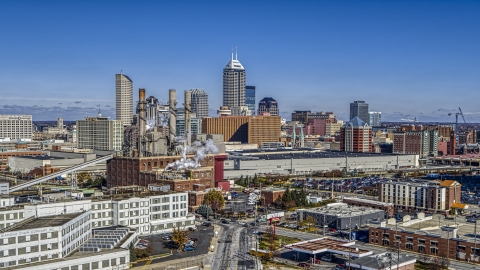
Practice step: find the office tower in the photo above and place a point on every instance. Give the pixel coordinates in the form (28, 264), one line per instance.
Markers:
(234, 84)
(375, 119)
(16, 126)
(60, 123)
(359, 108)
(99, 133)
(124, 99)
(268, 105)
(250, 98)
(199, 103)
(180, 124)
(244, 129)
(356, 136)
(151, 111)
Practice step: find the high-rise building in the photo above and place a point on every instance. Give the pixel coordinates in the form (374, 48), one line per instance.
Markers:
(180, 123)
(16, 126)
(420, 142)
(199, 103)
(124, 99)
(359, 108)
(250, 98)
(60, 123)
(100, 133)
(234, 79)
(268, 105)
(244, 129)
(375, 119)
(305, 116)
(356, 136)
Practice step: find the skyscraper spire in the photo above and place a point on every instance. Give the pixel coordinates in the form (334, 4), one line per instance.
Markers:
(232, 53)
(236, 53)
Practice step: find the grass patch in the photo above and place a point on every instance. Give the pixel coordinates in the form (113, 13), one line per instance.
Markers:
(277, 265)
(267, 243)
(428, 266)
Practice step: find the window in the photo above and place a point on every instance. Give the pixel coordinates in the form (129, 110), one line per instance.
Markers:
(421, 248)
(49, 235)
(409, 246)
(433, 250)
(27, 238)
(28, 250)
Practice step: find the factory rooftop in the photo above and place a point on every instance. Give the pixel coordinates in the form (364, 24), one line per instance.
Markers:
(298, 154)
(41, 222)
(326, 244)
(353, 199)
(342, 210)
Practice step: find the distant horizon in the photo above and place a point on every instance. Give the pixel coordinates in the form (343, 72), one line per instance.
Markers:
(404, 58)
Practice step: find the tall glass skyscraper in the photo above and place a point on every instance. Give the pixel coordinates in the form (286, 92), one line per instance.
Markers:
(250, 97)
(359, 108)
(199, 103)
(124, 99)
(234, 84)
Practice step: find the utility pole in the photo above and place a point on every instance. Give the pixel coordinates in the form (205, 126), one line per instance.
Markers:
(475, 244)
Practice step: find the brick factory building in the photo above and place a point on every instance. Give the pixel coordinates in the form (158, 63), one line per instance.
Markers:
(128, 171)
(356, 136)
(244, 129)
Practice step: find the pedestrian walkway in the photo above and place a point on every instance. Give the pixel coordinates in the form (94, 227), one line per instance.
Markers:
(208, 260)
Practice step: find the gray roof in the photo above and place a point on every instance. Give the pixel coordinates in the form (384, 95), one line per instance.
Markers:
(356, 122)
(380, 261)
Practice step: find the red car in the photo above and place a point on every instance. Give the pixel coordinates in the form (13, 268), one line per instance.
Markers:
(304, 265)
(332, 230)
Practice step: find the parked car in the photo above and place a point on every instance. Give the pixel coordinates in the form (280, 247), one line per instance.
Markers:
(189, 249)
(194, 239)
(225, 221)
(332, 230)
(246, 225)
(304, 265)
(206, 224)
(327, 258)
(233, 220)
(189, 243)
(191, 229)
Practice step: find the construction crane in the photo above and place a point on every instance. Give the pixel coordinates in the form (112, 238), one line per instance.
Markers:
(456, 118)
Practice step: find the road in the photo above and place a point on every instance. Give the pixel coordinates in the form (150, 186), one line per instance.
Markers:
(234, 244)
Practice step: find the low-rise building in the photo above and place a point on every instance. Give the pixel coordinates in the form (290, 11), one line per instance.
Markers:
(269, 196)
(341, 216)
(388, 208)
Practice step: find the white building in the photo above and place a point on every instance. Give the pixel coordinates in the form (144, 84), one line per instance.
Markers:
(16, 127)
(234, 79)
(156, 212)
(43, 238)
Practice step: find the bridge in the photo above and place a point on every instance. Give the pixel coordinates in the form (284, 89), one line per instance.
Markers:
(62, 172)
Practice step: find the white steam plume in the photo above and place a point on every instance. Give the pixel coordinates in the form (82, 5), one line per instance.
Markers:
(200, 151)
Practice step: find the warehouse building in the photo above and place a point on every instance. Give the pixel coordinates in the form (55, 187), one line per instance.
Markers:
(303, 161)
(341, 216)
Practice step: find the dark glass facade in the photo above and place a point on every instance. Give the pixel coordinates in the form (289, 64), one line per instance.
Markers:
(250, 97)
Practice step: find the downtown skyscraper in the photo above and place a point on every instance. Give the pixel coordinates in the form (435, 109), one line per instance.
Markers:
(359, 109)
(199, 103)
(123, 99)
(234, 79)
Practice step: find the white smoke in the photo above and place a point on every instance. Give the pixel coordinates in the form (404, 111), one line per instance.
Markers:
(150, 124)
(198, 149)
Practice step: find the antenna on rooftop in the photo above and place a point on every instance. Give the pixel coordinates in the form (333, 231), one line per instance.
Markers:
(236, 53)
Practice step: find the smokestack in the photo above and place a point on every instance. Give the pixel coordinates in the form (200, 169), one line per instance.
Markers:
(142, 121)
(172, 102)
(188, 117)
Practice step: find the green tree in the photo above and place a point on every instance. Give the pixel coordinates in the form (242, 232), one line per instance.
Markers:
(180, 238)
(204, 210)
(133, 254)
(83, 177)
(309, 222)
(214, 199)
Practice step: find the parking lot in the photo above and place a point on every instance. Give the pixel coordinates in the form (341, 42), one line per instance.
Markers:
(160, 246)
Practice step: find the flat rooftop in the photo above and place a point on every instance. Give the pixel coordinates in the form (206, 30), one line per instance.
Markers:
(379, 261)
(41, 222)
(342, 210)
(41, 157)
(354, 199)
(327, 244)
(299, 154)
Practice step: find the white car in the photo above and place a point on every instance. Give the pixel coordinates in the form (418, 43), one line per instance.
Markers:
(327, 258)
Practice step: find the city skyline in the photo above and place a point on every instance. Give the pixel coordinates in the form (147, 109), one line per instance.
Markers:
(404, 59)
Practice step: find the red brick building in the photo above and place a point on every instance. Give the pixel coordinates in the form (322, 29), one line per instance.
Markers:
(128, 171)
(444, 245)
(356, 136)
(269, 196)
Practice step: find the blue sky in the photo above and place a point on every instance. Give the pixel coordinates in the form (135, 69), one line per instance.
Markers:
(405, 58)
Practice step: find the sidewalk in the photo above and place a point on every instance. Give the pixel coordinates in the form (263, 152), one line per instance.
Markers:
(207, 262)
